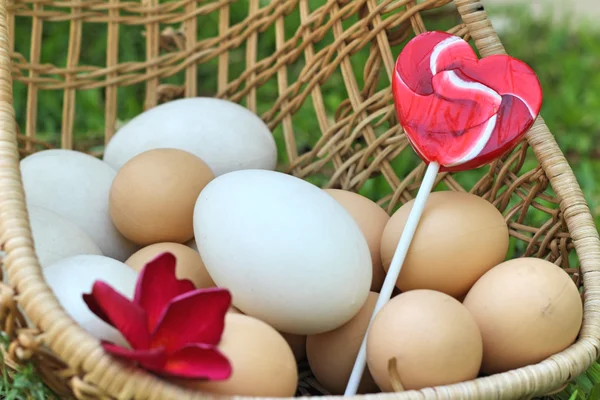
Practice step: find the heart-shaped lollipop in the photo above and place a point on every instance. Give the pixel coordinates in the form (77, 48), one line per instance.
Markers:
(459, 113)
(457, 110)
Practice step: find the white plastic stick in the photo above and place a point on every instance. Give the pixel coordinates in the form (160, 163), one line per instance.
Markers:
(392, 275)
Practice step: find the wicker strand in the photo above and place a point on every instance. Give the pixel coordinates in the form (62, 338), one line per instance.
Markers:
(112, 57)
(68, 115)
(223, 71)
(191, 72)
(152, 35)
(251, 49)
(32, 90)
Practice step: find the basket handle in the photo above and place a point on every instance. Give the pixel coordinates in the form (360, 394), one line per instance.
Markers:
(480, 27)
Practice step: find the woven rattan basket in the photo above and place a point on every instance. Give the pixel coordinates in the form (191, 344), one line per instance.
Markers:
(359, 144)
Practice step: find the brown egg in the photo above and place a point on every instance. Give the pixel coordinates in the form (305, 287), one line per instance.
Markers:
(460, 236)
(371, 220)
(527, 310)
(331, 355)
(297, 344)
(189, 264)
(153, 195)
(263, 363)
(432, 336)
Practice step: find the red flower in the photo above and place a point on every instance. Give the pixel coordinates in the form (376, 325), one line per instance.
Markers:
(458, 110)
(172, 327)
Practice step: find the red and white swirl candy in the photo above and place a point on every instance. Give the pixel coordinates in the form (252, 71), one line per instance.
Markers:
(458, 110)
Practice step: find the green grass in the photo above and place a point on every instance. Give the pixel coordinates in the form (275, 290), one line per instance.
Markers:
(22, 384)
(586, 386)
(565, 60)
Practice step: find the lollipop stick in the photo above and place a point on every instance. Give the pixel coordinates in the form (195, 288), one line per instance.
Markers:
(394, 270)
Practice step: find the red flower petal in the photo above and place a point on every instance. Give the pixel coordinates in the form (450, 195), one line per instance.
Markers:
(90, 301)
(153, 359)
(157, 285)
(193, 317)
(416, 61)
(120, 312)
(198, 361)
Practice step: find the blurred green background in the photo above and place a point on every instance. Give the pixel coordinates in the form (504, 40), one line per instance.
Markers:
(565, 56)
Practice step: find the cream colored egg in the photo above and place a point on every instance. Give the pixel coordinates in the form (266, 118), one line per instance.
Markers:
(262, 362)
(71, 277)
(527, 309)
(297, 342)
(371, 220)
(226, 135)
(189, 265)
(332, 354)
(153, 195)
(288, 252)
(460, 236)
(76, 186)
(56, 238)
(432, 336)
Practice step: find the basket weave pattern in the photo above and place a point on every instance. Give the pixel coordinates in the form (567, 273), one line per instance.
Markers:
(359, 142)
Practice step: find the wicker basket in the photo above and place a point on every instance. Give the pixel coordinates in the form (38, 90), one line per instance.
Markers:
(359, 144)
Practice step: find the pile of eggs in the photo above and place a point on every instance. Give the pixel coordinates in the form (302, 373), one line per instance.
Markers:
(196, 177)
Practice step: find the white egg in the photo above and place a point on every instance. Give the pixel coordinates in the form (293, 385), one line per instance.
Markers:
(76, 186)
(56, 238)
(225, 135)
(71, 277)
(290, 254)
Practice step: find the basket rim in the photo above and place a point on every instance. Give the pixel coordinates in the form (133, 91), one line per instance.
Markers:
(42, 307)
